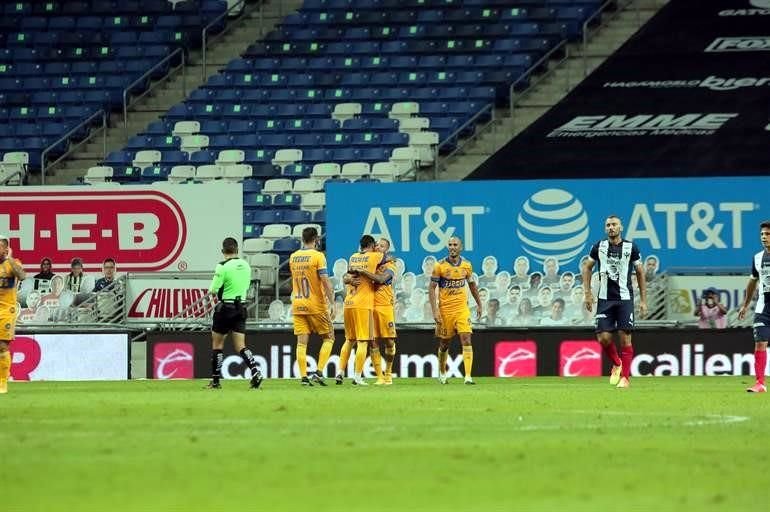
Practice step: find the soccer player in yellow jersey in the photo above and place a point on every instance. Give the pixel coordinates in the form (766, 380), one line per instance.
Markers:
(11, 272)
(312, 300)
(451, 312)
(359, 306)
(384, 316)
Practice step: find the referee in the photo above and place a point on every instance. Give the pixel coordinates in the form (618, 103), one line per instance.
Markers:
(232, 278)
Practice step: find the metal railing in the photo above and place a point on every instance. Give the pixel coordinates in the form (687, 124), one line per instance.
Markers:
(455, 136)
(204, 33)
(150, 87)
(603, 9)
(66, 136)
(529, 73)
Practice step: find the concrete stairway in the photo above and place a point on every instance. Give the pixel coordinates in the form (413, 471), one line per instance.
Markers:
(251, 27)
(536, 100)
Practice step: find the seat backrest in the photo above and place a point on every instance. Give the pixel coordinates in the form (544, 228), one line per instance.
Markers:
(147, 156)
(236, 172)
(16, 157)
(287, 156)
(404, 109)
(186, 128)
(355, 169)
(257, 245)
(313, 201)
(307, 185)
(423, 138)
(385, 171)
(344, 111)
(277, 186)
(208, 172)
(230, 156)
(297, 230)
(99, 173)
(413, 124)
(181, 173)
(276, 231)
(326, 170)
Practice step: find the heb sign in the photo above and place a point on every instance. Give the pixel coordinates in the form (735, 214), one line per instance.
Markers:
(143, 228)
(150, 298)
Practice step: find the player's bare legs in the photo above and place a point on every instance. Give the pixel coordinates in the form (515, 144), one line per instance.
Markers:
(5, 366)
(760, 364)
(443, 353)
(626, 358)
(608, 346)
(465, 341)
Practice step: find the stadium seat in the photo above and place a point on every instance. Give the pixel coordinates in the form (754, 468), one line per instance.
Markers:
(98, 174)
(209, 173)
(181, 173)
(257, 245)
(314, 201)
(237, 172)
(276, 231)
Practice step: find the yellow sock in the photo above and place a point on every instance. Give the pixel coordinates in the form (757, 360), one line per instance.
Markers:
(324, 353)
(345, 356)
(442, 355)
(377, 361)
(302, 359)
(390, 356)
(361, 347)
(468, 360)
(5, 365)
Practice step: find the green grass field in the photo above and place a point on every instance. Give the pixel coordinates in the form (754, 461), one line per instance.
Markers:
(538, 444)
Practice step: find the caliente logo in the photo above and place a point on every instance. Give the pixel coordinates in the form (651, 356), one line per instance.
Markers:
(553, 224)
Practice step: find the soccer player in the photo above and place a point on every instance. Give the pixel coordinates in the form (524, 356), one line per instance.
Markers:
(384, 316)
(760, 274)
(359, 307)
(312, 300)
(617, 259)
(11, 272)
(232, 278)
(451, 312)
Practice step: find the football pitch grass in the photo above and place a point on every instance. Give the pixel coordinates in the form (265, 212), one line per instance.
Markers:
(685, 443)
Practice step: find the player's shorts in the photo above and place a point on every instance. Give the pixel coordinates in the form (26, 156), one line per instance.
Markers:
(359, 324)
(8, 324)
(761, 327)
(229, 317)
(318, 323)
(614, 315)
(454, 323)
(384, 322)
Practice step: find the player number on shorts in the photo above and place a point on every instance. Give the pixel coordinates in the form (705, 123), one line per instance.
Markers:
(302, 285)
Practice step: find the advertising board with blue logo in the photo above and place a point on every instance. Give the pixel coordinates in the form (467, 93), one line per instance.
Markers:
(676, 222)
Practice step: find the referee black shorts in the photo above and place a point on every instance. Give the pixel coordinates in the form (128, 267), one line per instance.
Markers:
(229, 317)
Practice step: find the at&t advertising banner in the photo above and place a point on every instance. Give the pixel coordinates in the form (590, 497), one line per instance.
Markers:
(682, 222)
(143, 228)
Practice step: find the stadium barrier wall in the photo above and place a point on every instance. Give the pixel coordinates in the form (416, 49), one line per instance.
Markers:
(498, 352)
(71, 357)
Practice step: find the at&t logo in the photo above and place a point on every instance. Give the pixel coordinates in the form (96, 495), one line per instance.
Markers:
(553, 223)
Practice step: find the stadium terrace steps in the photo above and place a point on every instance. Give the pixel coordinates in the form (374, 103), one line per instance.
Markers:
(157, 103)
(549, 91)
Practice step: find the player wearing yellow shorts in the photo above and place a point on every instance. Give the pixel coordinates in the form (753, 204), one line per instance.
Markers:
(384, 317)
(359, 306)
(312, 300)
(450, 311)
(11, 272)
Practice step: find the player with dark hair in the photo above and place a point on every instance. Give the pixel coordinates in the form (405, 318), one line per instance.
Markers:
(450, 306)
(760, 275)
(617, 258)
(11, 272)
(384, 316)
(232, 278)
(359, 306)
(312, 299)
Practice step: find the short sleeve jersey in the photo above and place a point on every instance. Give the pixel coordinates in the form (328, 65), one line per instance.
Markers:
(452, 280)
(232, 278)
(383, 293)
(8, 285)
(308, 268)
(615, 265)
(362, 296)
(760, 269)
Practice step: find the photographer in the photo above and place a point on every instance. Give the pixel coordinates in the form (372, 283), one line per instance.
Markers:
(710, 312)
